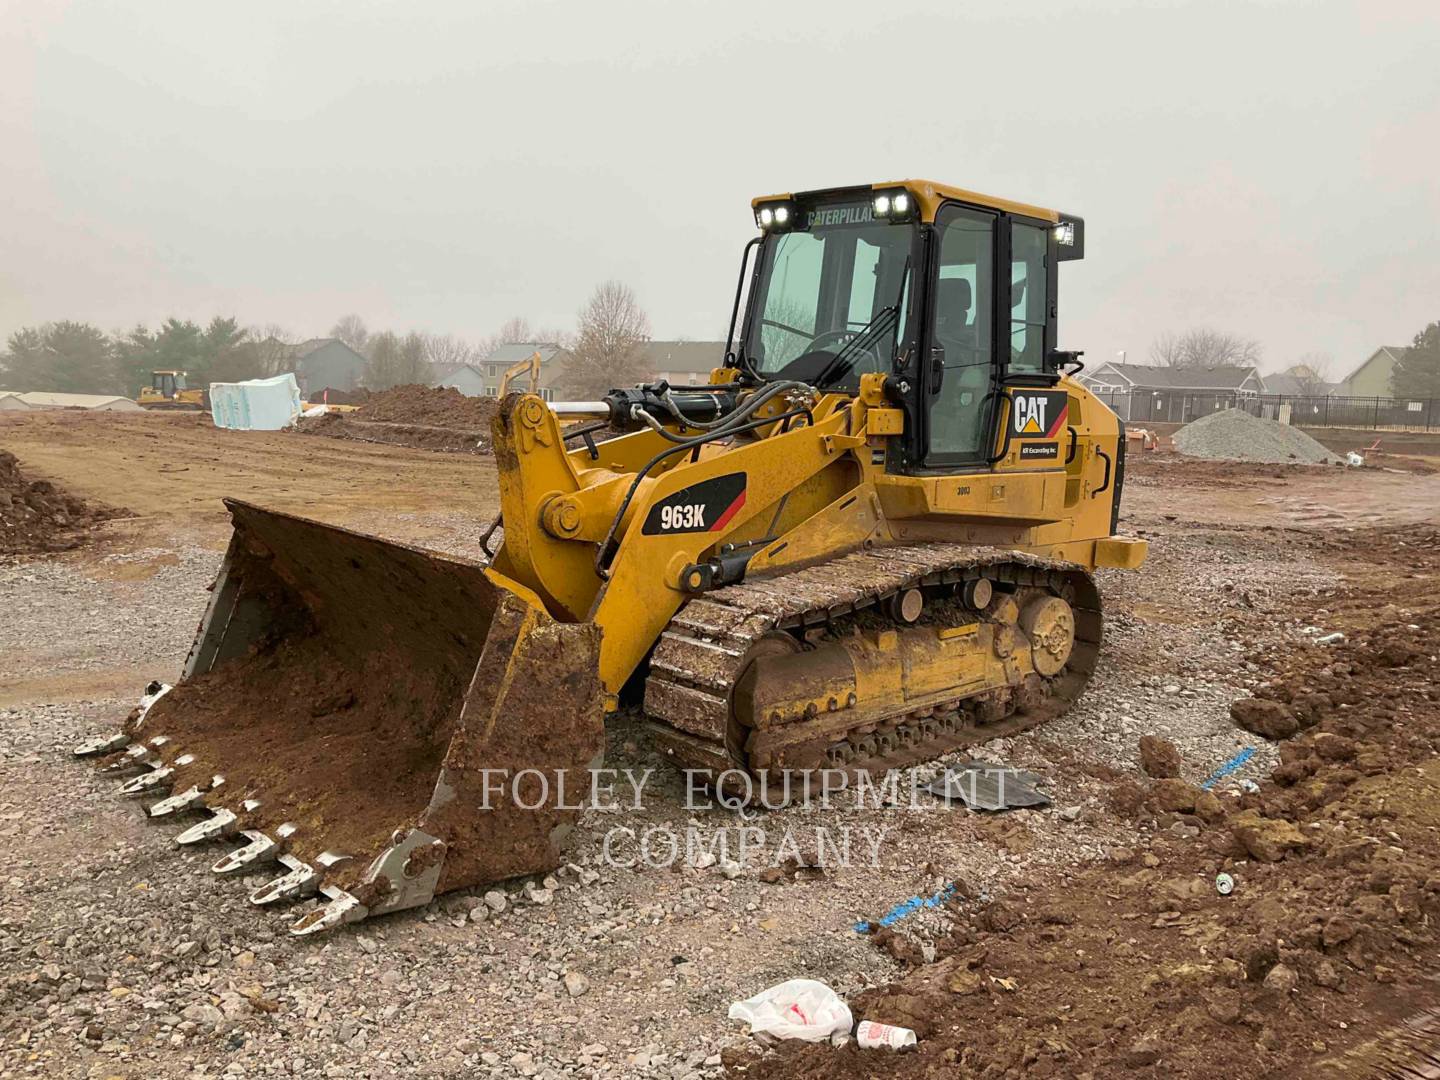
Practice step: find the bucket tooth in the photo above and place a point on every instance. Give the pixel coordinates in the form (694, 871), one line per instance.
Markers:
(299, 881)
(148, 783)
(258, 848)
(343, 908)
(221, 824)
(102, 744)
(137, 756)
(190, 797)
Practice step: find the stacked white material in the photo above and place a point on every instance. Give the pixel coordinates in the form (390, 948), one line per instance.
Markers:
(257, 404)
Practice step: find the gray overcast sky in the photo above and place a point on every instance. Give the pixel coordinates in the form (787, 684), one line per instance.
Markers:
(1270, 168)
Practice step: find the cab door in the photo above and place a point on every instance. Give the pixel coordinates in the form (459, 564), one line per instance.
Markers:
(958, 375)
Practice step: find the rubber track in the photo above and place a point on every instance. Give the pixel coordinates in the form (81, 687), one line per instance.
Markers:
(700, 654)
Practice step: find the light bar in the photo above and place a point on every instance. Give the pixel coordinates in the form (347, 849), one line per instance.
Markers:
(1065, 234)
(893, 205)
(775, 217)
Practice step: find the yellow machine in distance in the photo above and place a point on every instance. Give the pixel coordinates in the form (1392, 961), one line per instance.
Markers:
(529, 367)
(868, 541)
(167, 390)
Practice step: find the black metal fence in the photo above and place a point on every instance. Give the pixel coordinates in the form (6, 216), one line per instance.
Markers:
(1182, 406)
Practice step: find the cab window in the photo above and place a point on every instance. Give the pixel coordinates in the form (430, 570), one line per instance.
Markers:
(961, 352)
(1028, 246)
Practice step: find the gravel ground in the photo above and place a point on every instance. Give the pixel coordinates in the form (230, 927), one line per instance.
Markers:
(1235, 435)
(120, 955)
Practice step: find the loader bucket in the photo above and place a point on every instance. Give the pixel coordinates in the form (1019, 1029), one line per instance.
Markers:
(357, 712)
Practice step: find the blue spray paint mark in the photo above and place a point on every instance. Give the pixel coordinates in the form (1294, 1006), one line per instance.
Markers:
(1229, 767)
(908, 907)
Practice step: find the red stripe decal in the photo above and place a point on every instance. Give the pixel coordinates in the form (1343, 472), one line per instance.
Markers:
(730, 512)
(1059, 422)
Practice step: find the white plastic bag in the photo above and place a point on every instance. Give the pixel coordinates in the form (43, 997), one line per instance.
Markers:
(798, 1009)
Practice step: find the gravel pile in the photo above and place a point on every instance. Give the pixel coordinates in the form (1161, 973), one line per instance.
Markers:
(1235, 435)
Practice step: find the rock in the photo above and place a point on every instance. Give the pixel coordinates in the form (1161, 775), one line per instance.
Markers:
(705, 860)
(1267, 839)
(187, 948)
(1338, 930)
(1174, 796)
(1159, 758)
(1139, 1055)
(1267, 718)
(495, 900)
(576, 984)
(1330, 747)
(207, 1016)
(1223, 1007)
(479, 913)
(1209, 808)
(1327, 975)
(1282, 979)
(964, 981)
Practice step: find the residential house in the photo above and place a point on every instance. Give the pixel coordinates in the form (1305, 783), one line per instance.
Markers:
(468, 378)
(683, 363)
(1298, 380)
(1144, 392)
(321, 364)
(1372, 378)
(482, 378)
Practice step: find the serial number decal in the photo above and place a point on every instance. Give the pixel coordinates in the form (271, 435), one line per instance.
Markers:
(704, 507)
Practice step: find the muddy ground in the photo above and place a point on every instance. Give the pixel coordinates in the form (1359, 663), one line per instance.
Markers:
(1086, 938)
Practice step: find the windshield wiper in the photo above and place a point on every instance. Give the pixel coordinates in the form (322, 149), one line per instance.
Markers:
(883, 321)
(844, 360)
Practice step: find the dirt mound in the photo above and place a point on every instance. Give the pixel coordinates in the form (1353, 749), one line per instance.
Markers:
(1235, 435)
(330, 396)
(1142, 964)
(421, 436)
(425, 417)
(433, 406)
(36, 518)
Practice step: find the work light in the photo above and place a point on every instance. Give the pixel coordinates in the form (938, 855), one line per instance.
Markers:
(775, 217)
(893, 205)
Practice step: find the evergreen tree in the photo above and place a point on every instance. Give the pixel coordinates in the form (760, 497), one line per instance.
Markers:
(1417, 373)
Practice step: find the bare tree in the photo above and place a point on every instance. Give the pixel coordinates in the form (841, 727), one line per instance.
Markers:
(395, 361)
(272, 347)
(1202, 348)
(447, 349)
(517, 330)
(351, 329)
(609, 343)
(1312, 374)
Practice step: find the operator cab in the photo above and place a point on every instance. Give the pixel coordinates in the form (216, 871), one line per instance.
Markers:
(167, 383)
(948, 292)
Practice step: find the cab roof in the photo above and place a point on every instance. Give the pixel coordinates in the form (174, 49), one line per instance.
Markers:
(928, 195)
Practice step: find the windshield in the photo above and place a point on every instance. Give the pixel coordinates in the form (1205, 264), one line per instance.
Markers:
(836, 285)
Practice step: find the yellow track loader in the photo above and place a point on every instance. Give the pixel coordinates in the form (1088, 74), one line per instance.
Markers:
(868, 541)
(167, 390)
